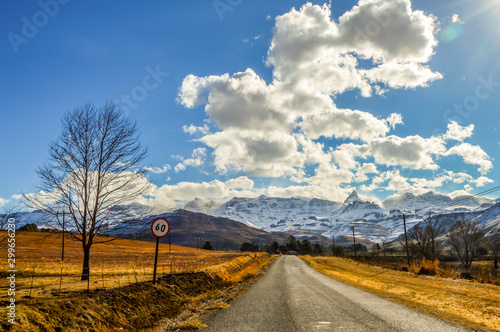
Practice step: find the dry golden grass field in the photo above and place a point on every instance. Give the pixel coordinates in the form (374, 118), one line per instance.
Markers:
(176, 301)
(470, 304)
(41, 273)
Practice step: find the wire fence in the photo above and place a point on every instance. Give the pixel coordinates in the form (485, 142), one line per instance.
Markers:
(64, 280)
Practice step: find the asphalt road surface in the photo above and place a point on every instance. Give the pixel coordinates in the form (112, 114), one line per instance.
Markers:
(294, 297)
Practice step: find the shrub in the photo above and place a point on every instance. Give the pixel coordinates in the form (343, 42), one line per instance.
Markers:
(29, 228)
(208, 246)
(486, 274)
(428, 268)
(447, 271)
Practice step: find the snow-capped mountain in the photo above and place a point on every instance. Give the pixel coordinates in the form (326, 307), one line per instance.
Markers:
(38, 217)
(353, 197)
(296, 215)
(275, 214)
(356, 208)
(278, 214)
(203, 206)
(489, 219)
(431, 201)
(115, 218)
(187, 228)
(371, 220)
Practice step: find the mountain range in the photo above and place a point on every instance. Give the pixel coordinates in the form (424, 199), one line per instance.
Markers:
(372, 221)
(263, 218)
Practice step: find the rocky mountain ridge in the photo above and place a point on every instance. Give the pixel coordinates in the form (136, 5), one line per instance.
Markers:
(373, 221)
(312, 218)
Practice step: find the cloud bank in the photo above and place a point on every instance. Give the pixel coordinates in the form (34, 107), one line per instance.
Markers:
(273, 129)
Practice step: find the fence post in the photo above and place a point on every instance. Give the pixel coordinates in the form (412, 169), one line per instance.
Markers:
(135, 275)
(102, 275)
(118, 276)
(60, 282)
(32, 277)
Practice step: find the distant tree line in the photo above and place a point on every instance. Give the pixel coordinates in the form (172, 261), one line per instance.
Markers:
(247, 246)
(359, 248)
(464, 240)
(292, 246)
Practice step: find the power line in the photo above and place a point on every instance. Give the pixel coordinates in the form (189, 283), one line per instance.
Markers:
(461, 201)
(486, 192)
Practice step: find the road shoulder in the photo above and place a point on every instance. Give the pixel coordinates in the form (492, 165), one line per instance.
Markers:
(472, 305)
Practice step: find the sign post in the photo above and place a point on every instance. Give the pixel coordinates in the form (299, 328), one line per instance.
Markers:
(160, 228)
(406, 239)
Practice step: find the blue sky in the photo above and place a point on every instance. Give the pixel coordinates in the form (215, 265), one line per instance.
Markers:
(242, 98)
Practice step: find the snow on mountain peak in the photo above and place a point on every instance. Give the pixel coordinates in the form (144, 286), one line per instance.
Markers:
(320, 216)
(430, 201)
(352, 198)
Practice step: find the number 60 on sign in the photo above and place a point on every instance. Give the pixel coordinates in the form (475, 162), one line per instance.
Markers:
(160, 227)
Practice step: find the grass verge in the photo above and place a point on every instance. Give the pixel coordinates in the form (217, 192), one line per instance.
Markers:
(241, 276)
(470, 304)
(140, 306)
(42, 274)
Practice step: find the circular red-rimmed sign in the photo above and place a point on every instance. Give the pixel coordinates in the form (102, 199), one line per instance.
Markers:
(160, 227)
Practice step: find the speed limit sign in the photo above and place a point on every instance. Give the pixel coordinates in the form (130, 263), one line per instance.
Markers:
(160, 227)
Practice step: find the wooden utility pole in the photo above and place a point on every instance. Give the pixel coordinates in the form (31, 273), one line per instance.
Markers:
(62, 253)
(354, 240)
(333, 245)
(406, 239)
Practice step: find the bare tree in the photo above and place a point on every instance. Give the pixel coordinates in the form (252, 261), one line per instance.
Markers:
(7, 213)
(375, 249)
(424, 237)
(354, 240)
(412, 251)
(465, 238)
(385, 245)
(93, 169)
(494, 246)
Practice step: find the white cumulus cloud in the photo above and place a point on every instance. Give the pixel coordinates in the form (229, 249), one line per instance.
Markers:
(457, 132)
(197, 159)
(411, 152)
(474, 155)
(158, 170)
(192, 129)
(291, 126)
(3, 201)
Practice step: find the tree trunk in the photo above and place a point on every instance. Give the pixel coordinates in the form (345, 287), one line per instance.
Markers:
(86, 265)
(496, 263)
